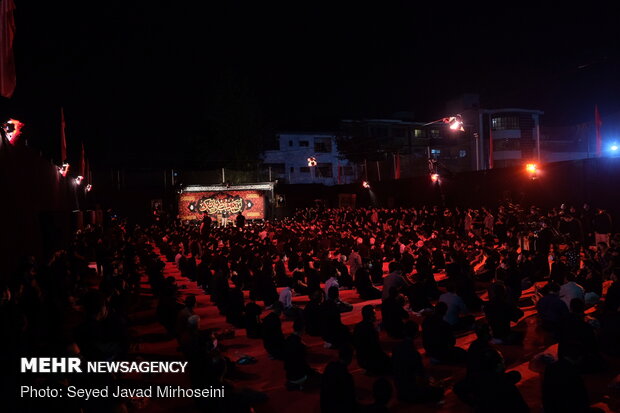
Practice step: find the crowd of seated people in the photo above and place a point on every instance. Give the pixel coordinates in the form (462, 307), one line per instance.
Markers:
(488, 258)
(252, 271)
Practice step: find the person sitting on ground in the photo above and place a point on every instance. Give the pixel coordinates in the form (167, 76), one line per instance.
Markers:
(563, 388)
(456, 307)
(370, 355)
(235, 307)
(494, 389)
(551, 309)
(393, 314)
(312, 314)
(271, 332)
(297, 368)
(184, 313)
(579, 334)
(382, 393)
(286, 299)
(337, 385)
(570, 290)
(344, 277)
(394, 279)
(412, 383)
(438, 338)
(332, 280)
(333, 331)
(363, 284)
(500, 312)
(252, 319)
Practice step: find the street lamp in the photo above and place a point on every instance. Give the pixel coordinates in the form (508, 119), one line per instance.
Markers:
(454, 122)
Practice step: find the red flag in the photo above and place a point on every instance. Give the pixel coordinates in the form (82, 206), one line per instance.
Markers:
(7, 59)
(82, 162)
(597, 125)
(63, 138)
(396, 165)
(339, 173)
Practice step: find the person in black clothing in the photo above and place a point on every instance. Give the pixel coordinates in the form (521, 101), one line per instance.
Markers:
(235, 307)
(393, 315)
(370, 355)
(332, 330)
(295, 364)
(492, 389)
(577, 335)
(271, 332)
(337, 385)
(382, 393)
(363, 284)
(438, 338)
(552, 311)
(511, 277)
(499, 313)
(240, 220)
(312, 314)
(563, 389)
(412, 384)
(252, 319)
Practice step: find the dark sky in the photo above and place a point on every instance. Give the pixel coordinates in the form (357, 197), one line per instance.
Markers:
(140, 79)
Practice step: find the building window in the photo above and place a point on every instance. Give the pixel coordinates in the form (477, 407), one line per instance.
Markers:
(462, 153)
(505, 122)
(325, 170)
(323, 145)
(418, 133)
(304, 169)
(290, 143)
(398, 132)
(434, 133)
(292, 169)
(378, 132)
(506, 145)
(304, 143)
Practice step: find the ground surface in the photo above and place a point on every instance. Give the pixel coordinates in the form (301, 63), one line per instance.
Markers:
(268, 375)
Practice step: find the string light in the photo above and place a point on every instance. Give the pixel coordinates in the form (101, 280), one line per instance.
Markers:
(12, 129)
(64, 169)
(79, 179)
(89, 187)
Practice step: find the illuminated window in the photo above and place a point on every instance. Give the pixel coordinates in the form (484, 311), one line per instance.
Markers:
(434, 133)
(462, 153)
(418, 133)
(505, 122)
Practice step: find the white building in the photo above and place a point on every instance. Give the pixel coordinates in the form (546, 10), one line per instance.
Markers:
(290, 161)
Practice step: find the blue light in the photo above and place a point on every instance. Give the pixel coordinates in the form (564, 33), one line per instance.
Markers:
(614, 147)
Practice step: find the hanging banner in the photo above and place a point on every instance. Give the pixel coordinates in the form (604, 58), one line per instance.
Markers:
(226, 204)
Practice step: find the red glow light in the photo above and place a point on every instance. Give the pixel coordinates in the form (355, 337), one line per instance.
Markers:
(13, 129)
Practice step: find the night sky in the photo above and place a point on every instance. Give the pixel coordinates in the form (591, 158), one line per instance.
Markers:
(141, 81)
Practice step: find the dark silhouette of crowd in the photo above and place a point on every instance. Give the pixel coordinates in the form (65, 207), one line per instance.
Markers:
(431, 273)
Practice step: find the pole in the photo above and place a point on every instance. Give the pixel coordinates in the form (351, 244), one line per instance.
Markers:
(476, 139)
(490, 142)
(270, 174)
(378, 172)
(538, 138)
(223, 176)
